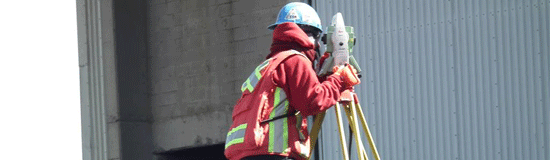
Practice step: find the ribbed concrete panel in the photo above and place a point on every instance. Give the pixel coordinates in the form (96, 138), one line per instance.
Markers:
(96, 50)
(449, 79)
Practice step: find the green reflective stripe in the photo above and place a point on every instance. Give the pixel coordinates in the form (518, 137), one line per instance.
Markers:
(234, 141)
(278, 132)
(258, 74)
(246, 85)
(278, 129)
(271, 133)
(258, 70)
(253, 79)
(279, 96)
(285, 128)
(236, 135)
(250, 83)
(276, 100)
(242, 126)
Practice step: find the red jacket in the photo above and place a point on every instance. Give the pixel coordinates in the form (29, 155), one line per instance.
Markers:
(282, 85)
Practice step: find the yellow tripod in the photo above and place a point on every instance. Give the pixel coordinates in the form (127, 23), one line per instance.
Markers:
(349, 102)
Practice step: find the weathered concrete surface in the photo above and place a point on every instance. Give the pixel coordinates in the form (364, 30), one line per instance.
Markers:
(98, 87)
(200, 52)
(163, 75)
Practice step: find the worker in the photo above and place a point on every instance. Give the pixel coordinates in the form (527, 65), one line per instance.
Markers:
(269, 119)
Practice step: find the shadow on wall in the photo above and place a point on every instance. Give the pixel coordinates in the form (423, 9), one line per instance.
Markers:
(211, 152)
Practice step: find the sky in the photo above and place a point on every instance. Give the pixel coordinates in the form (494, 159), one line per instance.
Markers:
(40, 104)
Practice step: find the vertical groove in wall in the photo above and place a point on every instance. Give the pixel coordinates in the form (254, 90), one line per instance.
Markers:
(504, 76)
(545, 70)
(500, 80)
(538, 81)
(98, 64)
(531, 128)
(486, 83)
(102, 131)
(458, 87)
(451, 79)
(90, 48)
(98, 126)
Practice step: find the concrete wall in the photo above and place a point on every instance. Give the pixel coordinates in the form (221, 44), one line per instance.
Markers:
(134, 112)
(200, 52)
(162, 76)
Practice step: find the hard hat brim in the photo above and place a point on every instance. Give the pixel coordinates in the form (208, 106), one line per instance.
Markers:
(272, 27)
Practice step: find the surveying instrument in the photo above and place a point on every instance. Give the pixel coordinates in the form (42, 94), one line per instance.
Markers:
(341, 40)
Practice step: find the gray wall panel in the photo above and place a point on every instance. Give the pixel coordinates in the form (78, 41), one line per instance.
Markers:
(449, 79)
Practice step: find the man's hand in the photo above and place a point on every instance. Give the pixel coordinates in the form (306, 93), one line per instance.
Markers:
(348, 73)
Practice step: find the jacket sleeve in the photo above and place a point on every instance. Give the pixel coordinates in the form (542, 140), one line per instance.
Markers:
(304, 91)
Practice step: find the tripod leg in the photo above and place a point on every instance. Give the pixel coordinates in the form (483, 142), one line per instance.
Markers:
(341, 131)
(364, 152)
(352, 118)
(315, 131)
(367, 131)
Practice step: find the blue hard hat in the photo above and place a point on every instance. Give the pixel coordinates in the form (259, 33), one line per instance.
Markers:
(299, 13)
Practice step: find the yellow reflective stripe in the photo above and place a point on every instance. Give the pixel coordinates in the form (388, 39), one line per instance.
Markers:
(279, 97)
(271, 132)
(236, 135)
(234, 141)
(258, 73)
(242, 126)
(254, 77)
(246, 85)
(285, 128)
(276, 100)
(278, 130)
(262, 66)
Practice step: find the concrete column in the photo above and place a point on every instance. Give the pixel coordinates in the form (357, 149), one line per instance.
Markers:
(98, 85)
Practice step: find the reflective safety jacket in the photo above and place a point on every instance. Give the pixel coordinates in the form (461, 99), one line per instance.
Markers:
(281, 86)
(261, 101)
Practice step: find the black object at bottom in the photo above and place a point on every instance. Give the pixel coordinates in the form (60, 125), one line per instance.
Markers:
(267, 157)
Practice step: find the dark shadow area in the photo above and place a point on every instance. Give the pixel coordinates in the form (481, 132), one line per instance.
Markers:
(210, 152)
(134, 111)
